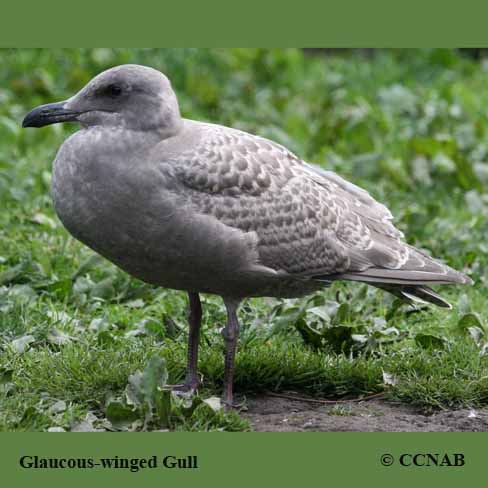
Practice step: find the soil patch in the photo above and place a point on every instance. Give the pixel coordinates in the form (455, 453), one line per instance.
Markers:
(272, 414)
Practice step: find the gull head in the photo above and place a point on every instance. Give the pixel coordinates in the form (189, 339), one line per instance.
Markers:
(130, 96)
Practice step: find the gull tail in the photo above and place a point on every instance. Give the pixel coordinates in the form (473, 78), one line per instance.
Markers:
(412, 281)
(415, 294)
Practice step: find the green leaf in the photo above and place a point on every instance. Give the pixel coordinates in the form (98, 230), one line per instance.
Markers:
(103, 289)
(87, 424)
(41, 219)
(144, 387)
(82, 285)
(326, 311)
(214, 403)
(310, 336)
(420, 170)
(170, 327)
(474, 202)
(91, 262)
(120, 415)
(11, 274)
(28, 414)
(443, 163)
(58, 337)
(99, 324)
(429, 341)
(5, 375)
(187, 405)
(22, 293)
(339, 337)
(21, 344)
(133, 391)
(61, 287)
(463, 305)
(470, 319)
(155, 376)
(285, 319)
(342, 314)
(57, 407)
(105, 337)
(476, 333)
(162, 405)
(10, 124)
(137, 303)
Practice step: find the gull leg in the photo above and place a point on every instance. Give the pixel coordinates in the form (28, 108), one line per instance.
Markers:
(230, 334)
(192, 380)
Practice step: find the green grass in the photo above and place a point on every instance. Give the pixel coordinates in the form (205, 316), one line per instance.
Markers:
(410, 126)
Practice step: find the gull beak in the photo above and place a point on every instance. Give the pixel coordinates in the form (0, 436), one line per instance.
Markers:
(51, 113)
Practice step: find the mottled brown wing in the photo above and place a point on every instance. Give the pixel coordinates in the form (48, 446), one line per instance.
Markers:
(231, 163)
(382, 256)
(308, 222)
(258, 186)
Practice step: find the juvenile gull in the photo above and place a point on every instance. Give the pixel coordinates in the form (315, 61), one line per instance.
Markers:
(209, 209)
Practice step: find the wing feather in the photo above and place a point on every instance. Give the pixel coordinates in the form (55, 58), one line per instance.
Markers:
(309, 222)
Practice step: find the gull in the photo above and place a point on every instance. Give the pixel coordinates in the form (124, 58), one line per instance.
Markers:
(204, 208)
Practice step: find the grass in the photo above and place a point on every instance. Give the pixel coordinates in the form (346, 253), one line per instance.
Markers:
(407, 125)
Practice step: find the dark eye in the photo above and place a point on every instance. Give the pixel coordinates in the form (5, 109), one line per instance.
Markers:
(113, 91)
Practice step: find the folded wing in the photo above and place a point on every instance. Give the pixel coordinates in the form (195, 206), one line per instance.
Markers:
(310, 223)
